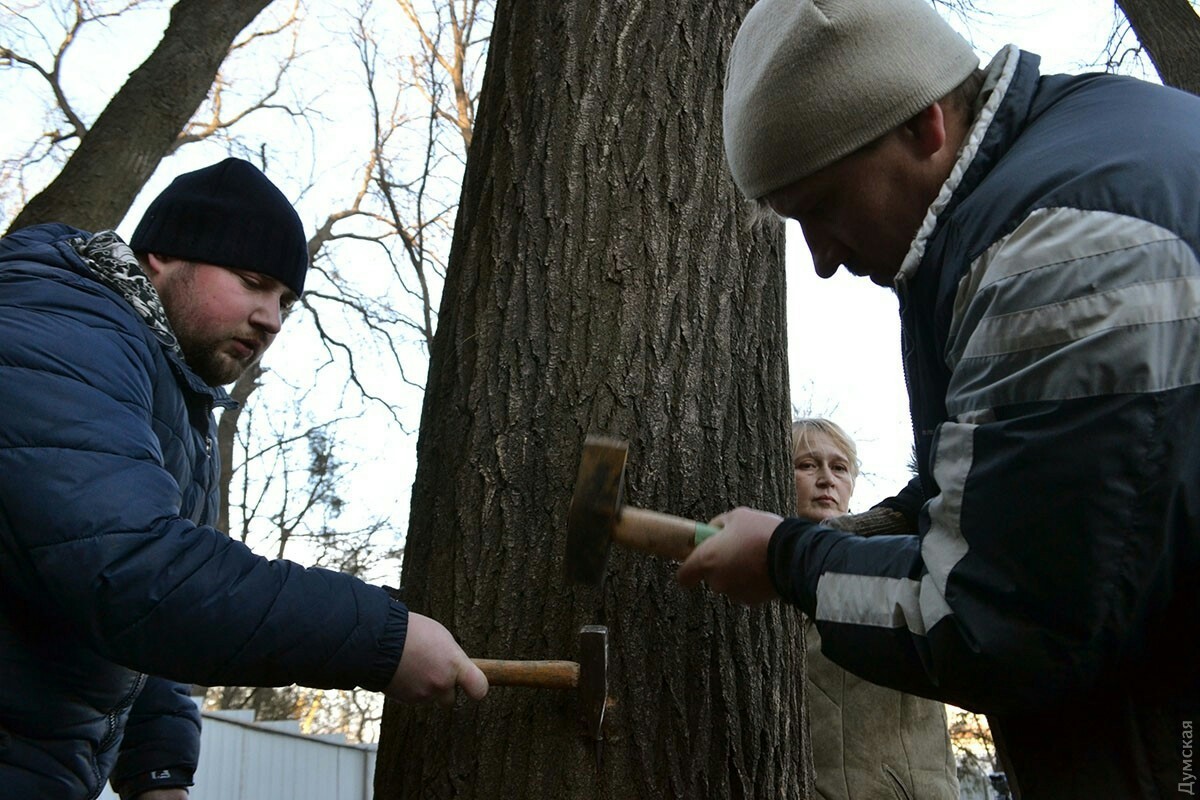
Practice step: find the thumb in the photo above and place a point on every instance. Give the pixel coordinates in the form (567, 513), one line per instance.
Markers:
(473, 681)
(692, 570)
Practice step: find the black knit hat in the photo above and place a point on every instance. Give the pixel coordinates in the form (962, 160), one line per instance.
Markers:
(231, 215)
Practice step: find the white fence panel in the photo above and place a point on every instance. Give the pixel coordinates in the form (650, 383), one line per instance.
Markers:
(244, 760)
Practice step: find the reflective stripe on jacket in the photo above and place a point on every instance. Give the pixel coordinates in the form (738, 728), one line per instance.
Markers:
(1050, 308)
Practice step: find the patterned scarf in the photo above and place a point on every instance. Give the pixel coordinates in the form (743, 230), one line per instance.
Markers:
(115, 265)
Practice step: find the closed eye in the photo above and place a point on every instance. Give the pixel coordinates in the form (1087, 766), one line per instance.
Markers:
(251, 279)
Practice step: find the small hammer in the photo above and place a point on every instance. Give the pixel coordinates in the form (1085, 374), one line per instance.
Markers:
(589, 676)
(597, 516)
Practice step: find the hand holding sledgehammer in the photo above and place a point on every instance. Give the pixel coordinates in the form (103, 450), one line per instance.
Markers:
(598, 516)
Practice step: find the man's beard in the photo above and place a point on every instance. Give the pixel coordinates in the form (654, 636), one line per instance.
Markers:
(202, 353)
(214, 367)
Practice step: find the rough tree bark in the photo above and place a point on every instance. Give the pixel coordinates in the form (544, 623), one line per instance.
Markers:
(131, 136)
(604, 277)
(1169, 30)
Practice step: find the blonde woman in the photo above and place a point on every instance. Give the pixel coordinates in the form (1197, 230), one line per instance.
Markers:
(869, 743)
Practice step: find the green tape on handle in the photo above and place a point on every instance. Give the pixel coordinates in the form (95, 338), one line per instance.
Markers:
(705, 532)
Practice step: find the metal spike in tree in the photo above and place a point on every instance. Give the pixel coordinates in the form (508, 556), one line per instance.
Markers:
(604, 278)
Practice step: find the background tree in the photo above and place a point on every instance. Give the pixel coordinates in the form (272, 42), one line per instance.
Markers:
(398, 219)
(1169, 32)
(1166, 32)
(604, 277)
(115, 156)
(377, 249)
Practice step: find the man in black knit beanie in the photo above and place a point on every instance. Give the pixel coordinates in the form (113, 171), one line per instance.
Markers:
(116, 591)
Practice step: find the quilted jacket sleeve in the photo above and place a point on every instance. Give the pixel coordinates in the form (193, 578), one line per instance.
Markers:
(1059, 545)
(162, 740)
(91, 524)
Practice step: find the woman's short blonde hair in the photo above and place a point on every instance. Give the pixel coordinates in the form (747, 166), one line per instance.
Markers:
(804, 427)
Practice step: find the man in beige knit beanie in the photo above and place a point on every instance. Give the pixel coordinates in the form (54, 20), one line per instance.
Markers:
(1041, 235)
(808, 84)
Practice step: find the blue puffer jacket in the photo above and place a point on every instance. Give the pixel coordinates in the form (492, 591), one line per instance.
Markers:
(1050, 307)
(109, 569)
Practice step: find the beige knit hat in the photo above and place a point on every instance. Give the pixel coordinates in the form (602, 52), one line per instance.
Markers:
(810, 81)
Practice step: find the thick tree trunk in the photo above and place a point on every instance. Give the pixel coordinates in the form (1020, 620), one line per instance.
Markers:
(130, 137)
(1169, 30)
(604, 277)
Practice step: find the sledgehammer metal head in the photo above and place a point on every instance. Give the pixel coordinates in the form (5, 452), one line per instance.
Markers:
(593, 680)
(598, 516)
(595, 506)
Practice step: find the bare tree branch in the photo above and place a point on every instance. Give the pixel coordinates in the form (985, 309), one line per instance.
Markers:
(124, 146)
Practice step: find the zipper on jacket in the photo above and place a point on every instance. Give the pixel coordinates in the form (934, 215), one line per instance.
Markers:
(906, 348)
(111, 722)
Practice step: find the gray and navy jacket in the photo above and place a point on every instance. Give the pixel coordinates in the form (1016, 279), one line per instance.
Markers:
(110, 571)
(1050, 309)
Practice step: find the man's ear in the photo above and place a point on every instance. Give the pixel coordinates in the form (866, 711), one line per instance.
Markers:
(154, 264)
(157, 267)
(927, 130)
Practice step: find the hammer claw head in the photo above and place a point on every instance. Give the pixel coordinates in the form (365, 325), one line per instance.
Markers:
(595, 507)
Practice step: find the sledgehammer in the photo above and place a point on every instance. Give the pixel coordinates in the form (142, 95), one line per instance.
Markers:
(589, 676)
(597, 516)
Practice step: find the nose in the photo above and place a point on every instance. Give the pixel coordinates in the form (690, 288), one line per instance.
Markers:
(824, 476)
(827, 256)
(825, 267)
(267, 315)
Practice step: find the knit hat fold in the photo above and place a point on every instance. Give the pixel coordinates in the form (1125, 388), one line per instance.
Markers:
(231, 215)
(811, 81)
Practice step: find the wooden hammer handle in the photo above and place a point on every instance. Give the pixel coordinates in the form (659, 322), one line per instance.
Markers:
(537, 674)
(660, 534)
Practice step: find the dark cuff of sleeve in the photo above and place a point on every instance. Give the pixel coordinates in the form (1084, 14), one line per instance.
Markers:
(391, 645)
(785, 563)
(174, 778)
